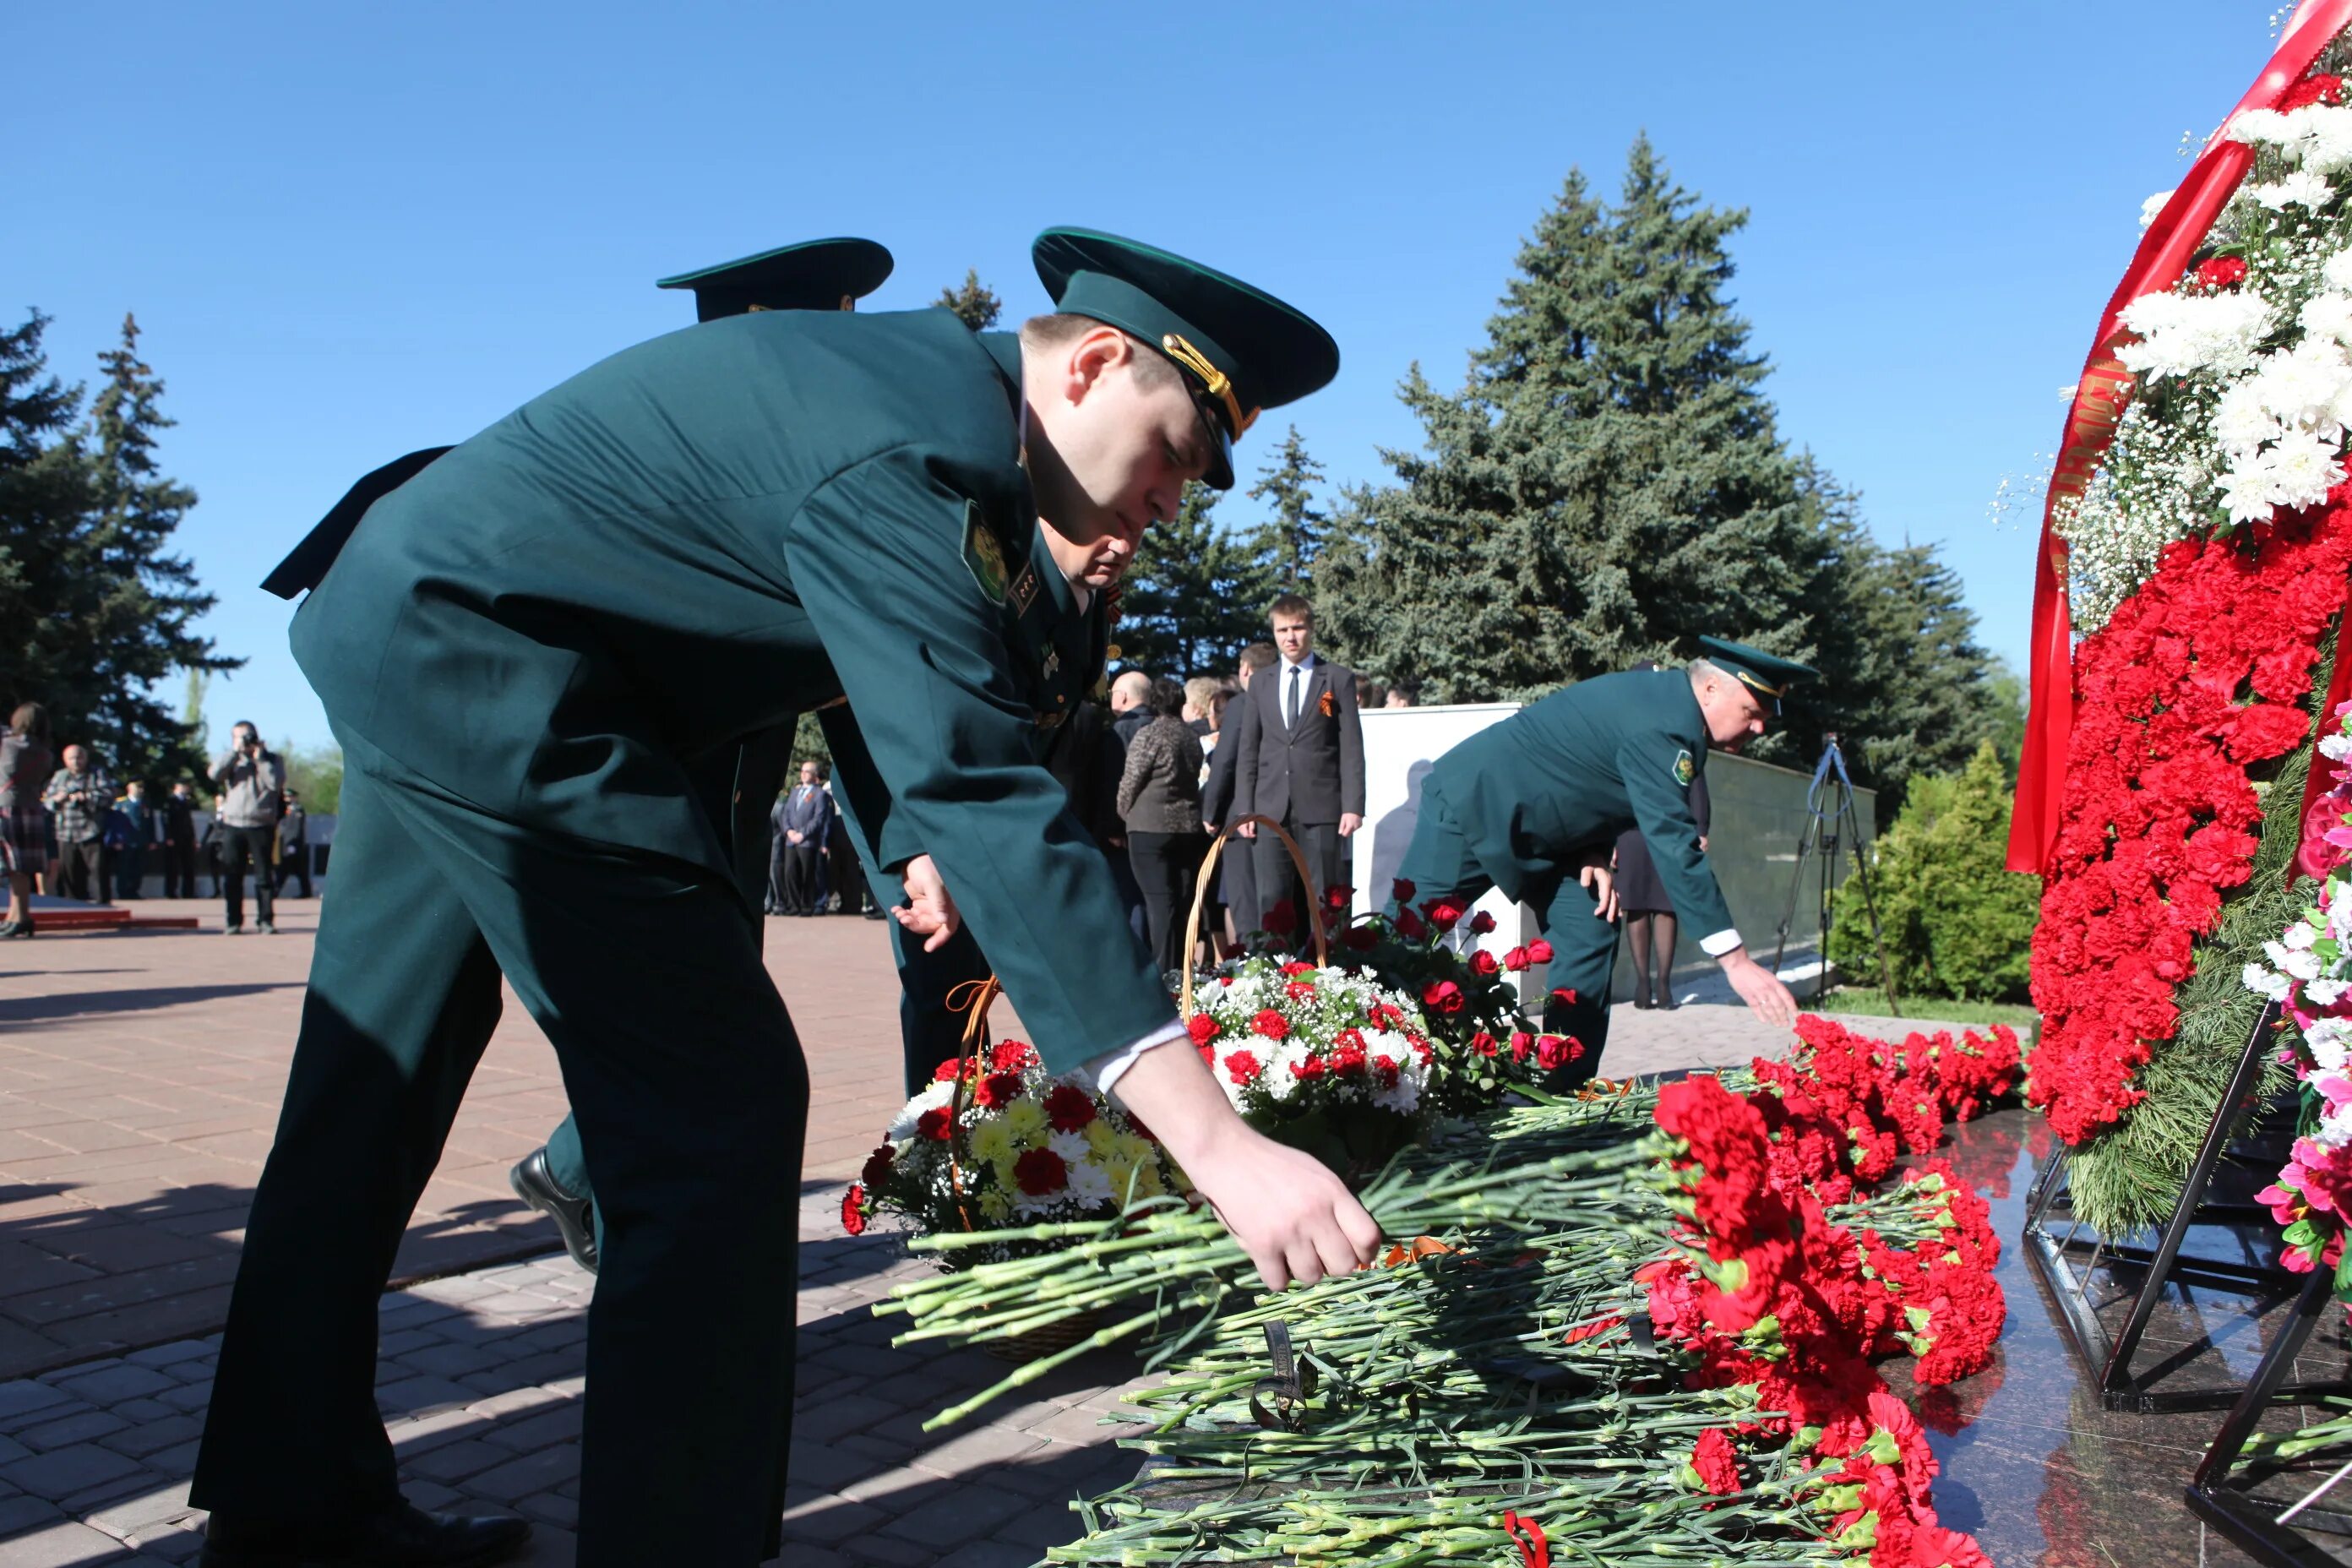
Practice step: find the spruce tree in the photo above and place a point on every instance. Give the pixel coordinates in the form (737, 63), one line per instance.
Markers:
(1607, 485)
(975, 304)
(94, 608)
(1293, 536)
(1194, 597)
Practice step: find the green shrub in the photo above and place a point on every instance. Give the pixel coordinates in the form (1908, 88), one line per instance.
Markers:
(1955, 924)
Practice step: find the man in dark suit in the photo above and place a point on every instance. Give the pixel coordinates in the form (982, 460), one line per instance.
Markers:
(807, 814)
(180, 843)
(1299, 759)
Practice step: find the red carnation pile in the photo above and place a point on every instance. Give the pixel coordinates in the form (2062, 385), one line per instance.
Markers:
(2199, 675)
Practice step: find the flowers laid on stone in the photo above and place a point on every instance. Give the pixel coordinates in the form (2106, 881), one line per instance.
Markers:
(1492, 1389)
(995, 1141)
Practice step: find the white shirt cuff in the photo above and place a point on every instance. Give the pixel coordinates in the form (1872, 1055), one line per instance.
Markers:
(1721, 942)
(1111, 1066)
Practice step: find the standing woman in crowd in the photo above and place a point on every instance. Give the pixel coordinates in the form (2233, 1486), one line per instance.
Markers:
(27, 759)
(1160, 801)
(1651, 927)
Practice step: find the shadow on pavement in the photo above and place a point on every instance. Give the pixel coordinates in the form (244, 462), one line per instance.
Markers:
(95, 1003)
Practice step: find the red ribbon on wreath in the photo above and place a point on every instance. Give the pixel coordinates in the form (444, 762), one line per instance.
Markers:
(2100, 396)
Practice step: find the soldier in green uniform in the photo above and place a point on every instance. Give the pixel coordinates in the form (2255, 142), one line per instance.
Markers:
(523, 650)
(814, 275)
(1533, 805)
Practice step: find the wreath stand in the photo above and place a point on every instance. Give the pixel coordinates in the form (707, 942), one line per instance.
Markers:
(2259, 1527)
(2066, 1261)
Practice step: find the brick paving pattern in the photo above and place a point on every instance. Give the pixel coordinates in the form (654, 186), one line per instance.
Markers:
(140, 1075)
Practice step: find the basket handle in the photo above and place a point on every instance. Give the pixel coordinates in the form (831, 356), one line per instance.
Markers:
(1208, 881)
(971, 998)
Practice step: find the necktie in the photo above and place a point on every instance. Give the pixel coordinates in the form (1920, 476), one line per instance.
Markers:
(1297, 671)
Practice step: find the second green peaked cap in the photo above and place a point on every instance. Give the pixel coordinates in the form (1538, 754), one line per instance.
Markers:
(1766, 673)
(814, 275)
(1241, 349)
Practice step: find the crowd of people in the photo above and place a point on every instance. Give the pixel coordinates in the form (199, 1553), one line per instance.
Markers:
(69, 829)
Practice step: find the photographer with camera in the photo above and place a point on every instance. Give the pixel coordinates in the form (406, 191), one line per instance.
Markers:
(250, 785)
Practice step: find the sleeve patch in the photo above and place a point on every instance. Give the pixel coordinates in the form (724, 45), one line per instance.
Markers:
(983, 553)
(1685, 770)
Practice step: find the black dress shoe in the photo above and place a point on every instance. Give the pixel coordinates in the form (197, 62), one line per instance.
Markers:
(404, 1538)
(575, 1219)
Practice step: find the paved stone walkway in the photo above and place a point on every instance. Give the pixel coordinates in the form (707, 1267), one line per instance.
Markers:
(139, 1079)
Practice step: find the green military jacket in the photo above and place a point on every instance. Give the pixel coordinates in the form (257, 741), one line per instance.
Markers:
(700, 537)
(1569, 774)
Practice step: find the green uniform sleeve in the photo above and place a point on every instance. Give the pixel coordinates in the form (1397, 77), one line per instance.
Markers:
(878, 557)
(1662, 809)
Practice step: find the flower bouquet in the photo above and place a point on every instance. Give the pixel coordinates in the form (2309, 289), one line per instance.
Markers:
(1322, 1059)
(1470, 1009)
(996, 1141)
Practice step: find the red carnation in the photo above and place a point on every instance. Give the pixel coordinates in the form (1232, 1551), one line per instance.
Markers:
(1242, 1066)
(1298, 966)
(2320, 88)
(1040, 1173)
(934, 1124)
(1538, 953)
(853, 1210)
(1011, 1055)
(1299, 990)
(997, 1090)
(2220, 272)
(1202, 1028)
(1481, 923)
(1402, 891)
(1717, 1462)
(1069, 1108)
(877, 1166)
(946, 1071)
(1270, 1023)
(1483, 963)
(1444, 914)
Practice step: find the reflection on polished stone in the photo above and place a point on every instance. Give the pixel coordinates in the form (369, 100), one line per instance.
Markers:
(2033, 1466)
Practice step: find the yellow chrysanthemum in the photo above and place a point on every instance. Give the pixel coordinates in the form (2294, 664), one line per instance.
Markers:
(995, 1207)
(992, 1141)
(1025, 1119)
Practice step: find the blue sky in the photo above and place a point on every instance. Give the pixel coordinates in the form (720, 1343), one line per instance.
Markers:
(351, 231)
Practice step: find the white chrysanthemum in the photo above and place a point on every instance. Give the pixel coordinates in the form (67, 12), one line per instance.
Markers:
(2247, 489)
(1072, 1147)
(2301, 189)
(2304, 966)
(2336, 272)
(2266, 982)
(2150, 208)
(2258, 128)
(2181, 334)
(2241, 422)
(1090, 1183)
(2330, 1043)
(2336, 747)
(2304, 468)
(934, 1096)
(2300, 385)
(2298, 936)
(2328, 316)
(2325, 993)
(2321, 138)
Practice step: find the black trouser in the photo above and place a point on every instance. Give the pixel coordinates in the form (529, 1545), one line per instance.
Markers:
(293, 865)
(240, 846)
(1278, 879)
(80, 870)
(800, 878)
(129, 871)
(179, 871)
(779, 876)
(1167, 868)
(845, 877)
(692, 1098)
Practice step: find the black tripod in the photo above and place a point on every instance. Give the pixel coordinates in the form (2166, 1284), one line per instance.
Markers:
(1823, 819)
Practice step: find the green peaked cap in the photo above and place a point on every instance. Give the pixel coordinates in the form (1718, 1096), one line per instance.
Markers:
(1240, 349)
(1766, 673)
(814, 275)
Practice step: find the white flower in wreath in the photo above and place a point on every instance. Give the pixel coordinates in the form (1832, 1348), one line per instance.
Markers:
(2303, 966)
(1089, 1183)
(2265, 983)
(2301, 189)
(2325, 991)
(2181, 334)
(2153, 208)
(2336, 747)
(2335, 1127)
(2304, 468)
(2299, 936)
(2328, 316)
(2336, 272)
(2330, 1043)
(2300, 384)
(2248, 493)
(2258, 128)
(2240, 423)
(2321, 137)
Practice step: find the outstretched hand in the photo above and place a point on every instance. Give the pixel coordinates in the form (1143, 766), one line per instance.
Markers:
(1760, 989)
(930, 910)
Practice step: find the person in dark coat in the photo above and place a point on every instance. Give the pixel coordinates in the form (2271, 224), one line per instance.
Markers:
(139, 831)
(1299, 761)
(294, 845)
(179, 835)
(758, 516)
(26, 758)
(1534, 805)
(1160, 803)
(806, 821)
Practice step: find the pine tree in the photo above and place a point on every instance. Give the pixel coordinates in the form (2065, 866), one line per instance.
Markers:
(1293, 537)
(1194, 597)
(975, 303)
(1607, 485)
(94, 609)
